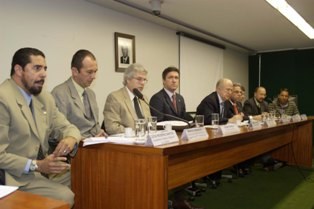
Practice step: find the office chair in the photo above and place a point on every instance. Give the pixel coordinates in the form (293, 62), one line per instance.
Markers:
(2, 177)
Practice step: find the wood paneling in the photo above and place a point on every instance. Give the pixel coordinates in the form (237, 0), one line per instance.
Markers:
(112, 176)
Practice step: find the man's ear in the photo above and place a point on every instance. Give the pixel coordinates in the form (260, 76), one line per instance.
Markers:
(75, 70)
(18, 69)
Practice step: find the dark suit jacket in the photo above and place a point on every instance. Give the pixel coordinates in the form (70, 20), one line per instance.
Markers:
(209, 105)
(250, 107)
(240, 109)
(162, 102)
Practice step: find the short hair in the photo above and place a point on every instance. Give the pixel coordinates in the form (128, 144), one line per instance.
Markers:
(132, 70)
(284, 89)
(79, 56)
(168, 70)
(237, 85)
(256, 89)
(221, 82)
(22, 57)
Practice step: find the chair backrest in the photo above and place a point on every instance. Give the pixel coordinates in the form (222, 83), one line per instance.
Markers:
(2, 177)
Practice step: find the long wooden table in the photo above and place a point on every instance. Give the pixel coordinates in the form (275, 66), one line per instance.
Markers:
(112, 176)
(25, 200)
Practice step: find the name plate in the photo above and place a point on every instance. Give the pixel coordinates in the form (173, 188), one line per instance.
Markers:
(229, 129)
(296, 118)
(162, 137)
(194, 133)
(255, 125)
(286, 120)
(270, 123)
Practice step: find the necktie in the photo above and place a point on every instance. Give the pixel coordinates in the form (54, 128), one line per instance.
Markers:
(88, 112)
(137, 108)
(174, 102)
(40, 154)
(222, 109)
(235, 109)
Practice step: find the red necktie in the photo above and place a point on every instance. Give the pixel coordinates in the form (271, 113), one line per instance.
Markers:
(174, 102)
(235, 108)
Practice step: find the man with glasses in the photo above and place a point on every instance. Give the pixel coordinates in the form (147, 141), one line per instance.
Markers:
(122, 106)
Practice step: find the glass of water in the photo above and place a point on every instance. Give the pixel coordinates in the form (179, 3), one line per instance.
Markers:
(140, 131)
(152, 124)
(215, 120)
(199, 121)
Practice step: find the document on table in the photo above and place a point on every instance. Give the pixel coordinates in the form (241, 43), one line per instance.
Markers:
(5, 190)
(118, 139)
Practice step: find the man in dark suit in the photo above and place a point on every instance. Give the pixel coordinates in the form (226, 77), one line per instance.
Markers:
(167, 100)
(216, 103)
(256, 105)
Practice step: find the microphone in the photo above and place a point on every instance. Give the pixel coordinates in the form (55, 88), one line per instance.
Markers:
(137, 93)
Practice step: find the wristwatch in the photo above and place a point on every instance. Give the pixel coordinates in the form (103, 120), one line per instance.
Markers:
(33, 167)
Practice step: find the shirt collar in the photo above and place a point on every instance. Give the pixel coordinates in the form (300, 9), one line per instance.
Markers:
(170, 94)
(78, 88)
(26, 96)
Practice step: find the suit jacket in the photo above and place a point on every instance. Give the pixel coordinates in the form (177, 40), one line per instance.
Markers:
(162, 102)
(119, 112)
(209, 105)
(250, 107)
(22, 132)
(240, 109)
(70, 104)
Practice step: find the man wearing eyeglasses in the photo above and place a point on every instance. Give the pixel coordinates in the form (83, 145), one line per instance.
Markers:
(122, 106)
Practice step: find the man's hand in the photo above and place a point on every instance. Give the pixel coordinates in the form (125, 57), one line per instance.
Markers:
(52, 164)
(102, 133)
(65, 146)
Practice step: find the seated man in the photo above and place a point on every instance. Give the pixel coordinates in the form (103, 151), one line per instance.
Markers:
(254, 107)
(122, 106)
(282, 105)
(218, 102)
(76, 100)
(167, 100)
(28, 115)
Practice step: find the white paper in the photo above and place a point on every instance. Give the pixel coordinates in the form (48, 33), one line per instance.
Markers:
(194, 133)
(5, 190)
(117, 139)
(229, 129)
(162, 137)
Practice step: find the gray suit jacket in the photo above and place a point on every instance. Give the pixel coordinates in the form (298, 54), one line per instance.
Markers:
(119, 111)
(70, 104)
(22, 132)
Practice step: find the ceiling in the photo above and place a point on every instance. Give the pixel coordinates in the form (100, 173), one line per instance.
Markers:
(249, 25)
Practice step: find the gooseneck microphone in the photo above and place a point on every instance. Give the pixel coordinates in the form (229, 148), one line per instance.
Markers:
(137, 93)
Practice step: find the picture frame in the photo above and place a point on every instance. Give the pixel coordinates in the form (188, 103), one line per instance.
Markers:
(124, 51)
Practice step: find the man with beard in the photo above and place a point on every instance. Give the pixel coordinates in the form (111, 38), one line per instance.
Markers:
(27, 116)
(76, 100)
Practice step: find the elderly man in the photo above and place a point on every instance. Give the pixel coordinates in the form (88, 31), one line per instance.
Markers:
(122, 106)
(27, 117)
(216, 103)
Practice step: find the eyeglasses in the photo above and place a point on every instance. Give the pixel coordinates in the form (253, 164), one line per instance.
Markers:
(142, 80)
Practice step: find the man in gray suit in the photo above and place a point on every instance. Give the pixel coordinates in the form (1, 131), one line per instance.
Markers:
(27, 117)
(119, 111)
(76, 100)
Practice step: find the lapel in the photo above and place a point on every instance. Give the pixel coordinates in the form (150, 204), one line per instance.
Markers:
(40, 115)
(26, 111)
(128, 103)
(75, 96)
(92, 104)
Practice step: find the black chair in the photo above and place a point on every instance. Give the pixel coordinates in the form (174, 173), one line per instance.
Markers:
(2, 177)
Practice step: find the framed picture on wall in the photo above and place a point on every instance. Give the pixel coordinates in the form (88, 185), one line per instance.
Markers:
(124, 51)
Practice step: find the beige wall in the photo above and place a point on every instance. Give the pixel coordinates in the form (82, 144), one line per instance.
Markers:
(61, 27)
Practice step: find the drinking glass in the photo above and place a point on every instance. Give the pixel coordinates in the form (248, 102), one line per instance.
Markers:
(140, 131)
(215, 120)
(199, 121)
(152, 124)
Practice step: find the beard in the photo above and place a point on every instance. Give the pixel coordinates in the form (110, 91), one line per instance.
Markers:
(33, 89)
